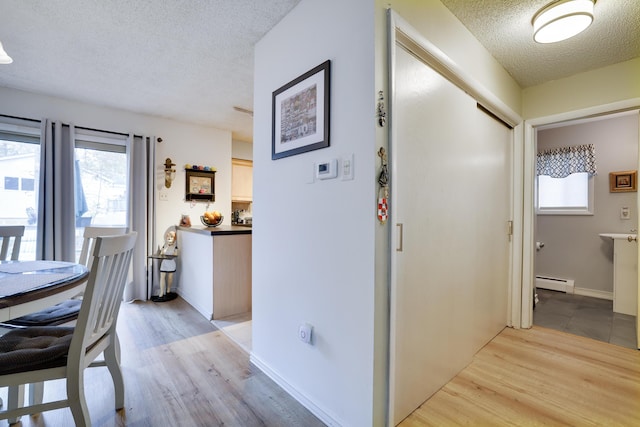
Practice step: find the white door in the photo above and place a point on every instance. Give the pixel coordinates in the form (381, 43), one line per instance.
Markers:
(451, 200)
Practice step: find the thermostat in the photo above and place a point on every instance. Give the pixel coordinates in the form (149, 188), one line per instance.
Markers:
(327, 170)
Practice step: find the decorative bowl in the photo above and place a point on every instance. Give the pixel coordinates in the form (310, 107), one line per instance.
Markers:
(208, 224)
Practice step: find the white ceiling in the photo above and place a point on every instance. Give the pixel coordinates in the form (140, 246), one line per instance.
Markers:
(504, 28)
(192, 60)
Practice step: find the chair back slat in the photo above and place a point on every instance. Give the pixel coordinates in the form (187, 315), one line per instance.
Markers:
(88, 244)
(7, 234)
(103, 293)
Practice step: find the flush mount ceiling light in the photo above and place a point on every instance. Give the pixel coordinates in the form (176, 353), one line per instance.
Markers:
(4, 58)
(561, 20)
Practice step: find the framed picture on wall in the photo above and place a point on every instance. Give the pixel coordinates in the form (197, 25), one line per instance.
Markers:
(200, 185)
(300, 113)
(623, 181)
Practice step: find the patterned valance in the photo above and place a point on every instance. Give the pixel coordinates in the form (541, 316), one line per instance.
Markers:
(562, 162)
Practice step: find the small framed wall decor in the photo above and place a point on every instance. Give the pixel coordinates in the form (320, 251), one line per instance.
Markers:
(301, 113)
(200, 185)
(623, 181)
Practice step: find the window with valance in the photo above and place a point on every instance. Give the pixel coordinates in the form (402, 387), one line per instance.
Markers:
(565, 180)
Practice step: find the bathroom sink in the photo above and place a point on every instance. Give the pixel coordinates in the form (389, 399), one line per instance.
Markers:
(619, 235)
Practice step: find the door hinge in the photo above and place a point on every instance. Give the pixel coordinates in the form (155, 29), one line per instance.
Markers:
(510, 229)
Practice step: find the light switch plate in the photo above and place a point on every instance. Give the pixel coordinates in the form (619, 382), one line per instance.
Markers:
(347, 167)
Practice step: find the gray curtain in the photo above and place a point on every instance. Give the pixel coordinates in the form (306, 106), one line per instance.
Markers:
(141, 213)
(56, 205)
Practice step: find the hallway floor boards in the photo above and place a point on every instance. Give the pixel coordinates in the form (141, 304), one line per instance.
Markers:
(179, 371)
(539, 376)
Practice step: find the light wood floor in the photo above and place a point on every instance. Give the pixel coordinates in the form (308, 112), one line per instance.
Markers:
(540, 377)
(179, 371)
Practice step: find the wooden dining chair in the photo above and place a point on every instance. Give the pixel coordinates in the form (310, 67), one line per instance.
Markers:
(38, 354)
(89, 237)
(9, 234)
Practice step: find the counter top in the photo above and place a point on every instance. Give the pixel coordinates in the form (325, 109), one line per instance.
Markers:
(624, 236)
(221, 230)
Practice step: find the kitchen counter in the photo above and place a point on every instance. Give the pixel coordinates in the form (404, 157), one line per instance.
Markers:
(215, 270)
(219, 230)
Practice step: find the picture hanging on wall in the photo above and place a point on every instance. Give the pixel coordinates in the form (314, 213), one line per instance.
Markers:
(200, 185)
(623, 181)
(301, 113)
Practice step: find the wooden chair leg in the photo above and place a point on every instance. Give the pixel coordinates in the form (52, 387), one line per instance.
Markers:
(77, 401)
(112, 360)
(15, 399)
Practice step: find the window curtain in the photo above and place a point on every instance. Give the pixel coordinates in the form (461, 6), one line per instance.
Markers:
(141, 200)
(56, 204)
(562, 162)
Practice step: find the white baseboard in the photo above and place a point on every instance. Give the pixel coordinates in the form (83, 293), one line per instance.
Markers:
(304, 400)
(594, 293)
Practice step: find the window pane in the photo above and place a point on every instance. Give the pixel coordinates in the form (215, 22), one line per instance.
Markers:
(28, 184)
(569, 192)
(20, 164)
(11, 183)
(101, 189)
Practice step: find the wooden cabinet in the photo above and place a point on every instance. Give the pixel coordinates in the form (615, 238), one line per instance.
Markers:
(625, 277)
(215, 270)
(241, 180)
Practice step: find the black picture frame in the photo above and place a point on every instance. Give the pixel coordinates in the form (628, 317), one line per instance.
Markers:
(301, 113)
(200, 185)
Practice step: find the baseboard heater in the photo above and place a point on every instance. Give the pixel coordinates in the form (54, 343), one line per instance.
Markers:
(555, 284)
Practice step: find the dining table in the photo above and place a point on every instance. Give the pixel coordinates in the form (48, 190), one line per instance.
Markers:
(30, 286)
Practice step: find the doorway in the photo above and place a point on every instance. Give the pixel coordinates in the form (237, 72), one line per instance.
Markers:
(592, 261)
(573, 263)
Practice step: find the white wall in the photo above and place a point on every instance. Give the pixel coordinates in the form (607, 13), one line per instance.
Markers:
(242, 150)
(183, 142)
(573, 249)
(313, 244)
(319, 253)
(602, 86)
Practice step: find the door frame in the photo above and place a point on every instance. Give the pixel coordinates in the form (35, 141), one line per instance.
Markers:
(528, 236)
(400, 31)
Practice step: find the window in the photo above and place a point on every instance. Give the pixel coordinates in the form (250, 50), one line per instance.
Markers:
(100, 182)
(565, 180)
(11, 183)
(28, 184)
(19, 175)
(572, 195)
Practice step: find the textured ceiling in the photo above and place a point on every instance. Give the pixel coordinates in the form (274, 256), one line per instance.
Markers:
(504, 28)
(189, 60)
(192, 60)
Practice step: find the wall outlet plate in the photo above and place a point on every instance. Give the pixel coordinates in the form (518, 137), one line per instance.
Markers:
(625, 213)
(304, 333)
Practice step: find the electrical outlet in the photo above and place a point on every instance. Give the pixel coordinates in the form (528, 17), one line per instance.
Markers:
(625, 213)
(304, 333)
(164, 196)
